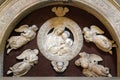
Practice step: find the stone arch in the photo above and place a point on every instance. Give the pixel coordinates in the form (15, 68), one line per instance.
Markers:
(12, 11)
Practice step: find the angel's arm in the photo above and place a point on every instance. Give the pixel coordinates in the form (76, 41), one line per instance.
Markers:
(96, 29)
(22, 28)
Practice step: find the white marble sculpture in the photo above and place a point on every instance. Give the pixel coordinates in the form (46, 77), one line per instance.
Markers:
(60, 39)
(66, 46)
(95, 35)
(27, 34)
(59, 66)
(58, 42)
(91, 68)
(29, 58)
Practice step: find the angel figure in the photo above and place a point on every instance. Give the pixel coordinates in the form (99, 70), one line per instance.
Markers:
(27, 34)
(91, 68)
(95, 35)
(59, 66)
(29, 58)
(85, 58)
(95, 70)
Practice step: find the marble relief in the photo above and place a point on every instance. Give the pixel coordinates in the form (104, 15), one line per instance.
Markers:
(29, 58)
(60, 39)
(90, 65)
(59, 66)
(95, 34)
(27, 34)
(58, 42)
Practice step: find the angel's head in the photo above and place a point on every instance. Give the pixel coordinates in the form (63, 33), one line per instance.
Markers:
(34, 27)
(86, 29)
(36, 51)
(60, 65)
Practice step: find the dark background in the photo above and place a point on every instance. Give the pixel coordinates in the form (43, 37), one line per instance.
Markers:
(44, 68)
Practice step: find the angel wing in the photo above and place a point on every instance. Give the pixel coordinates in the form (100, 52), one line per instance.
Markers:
(96, 29)
(95, 58)
(24, 54)
(22, 28)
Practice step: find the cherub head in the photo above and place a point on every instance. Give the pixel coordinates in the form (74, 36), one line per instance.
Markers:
(85, 29)
(60, 65)
(34, 27)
